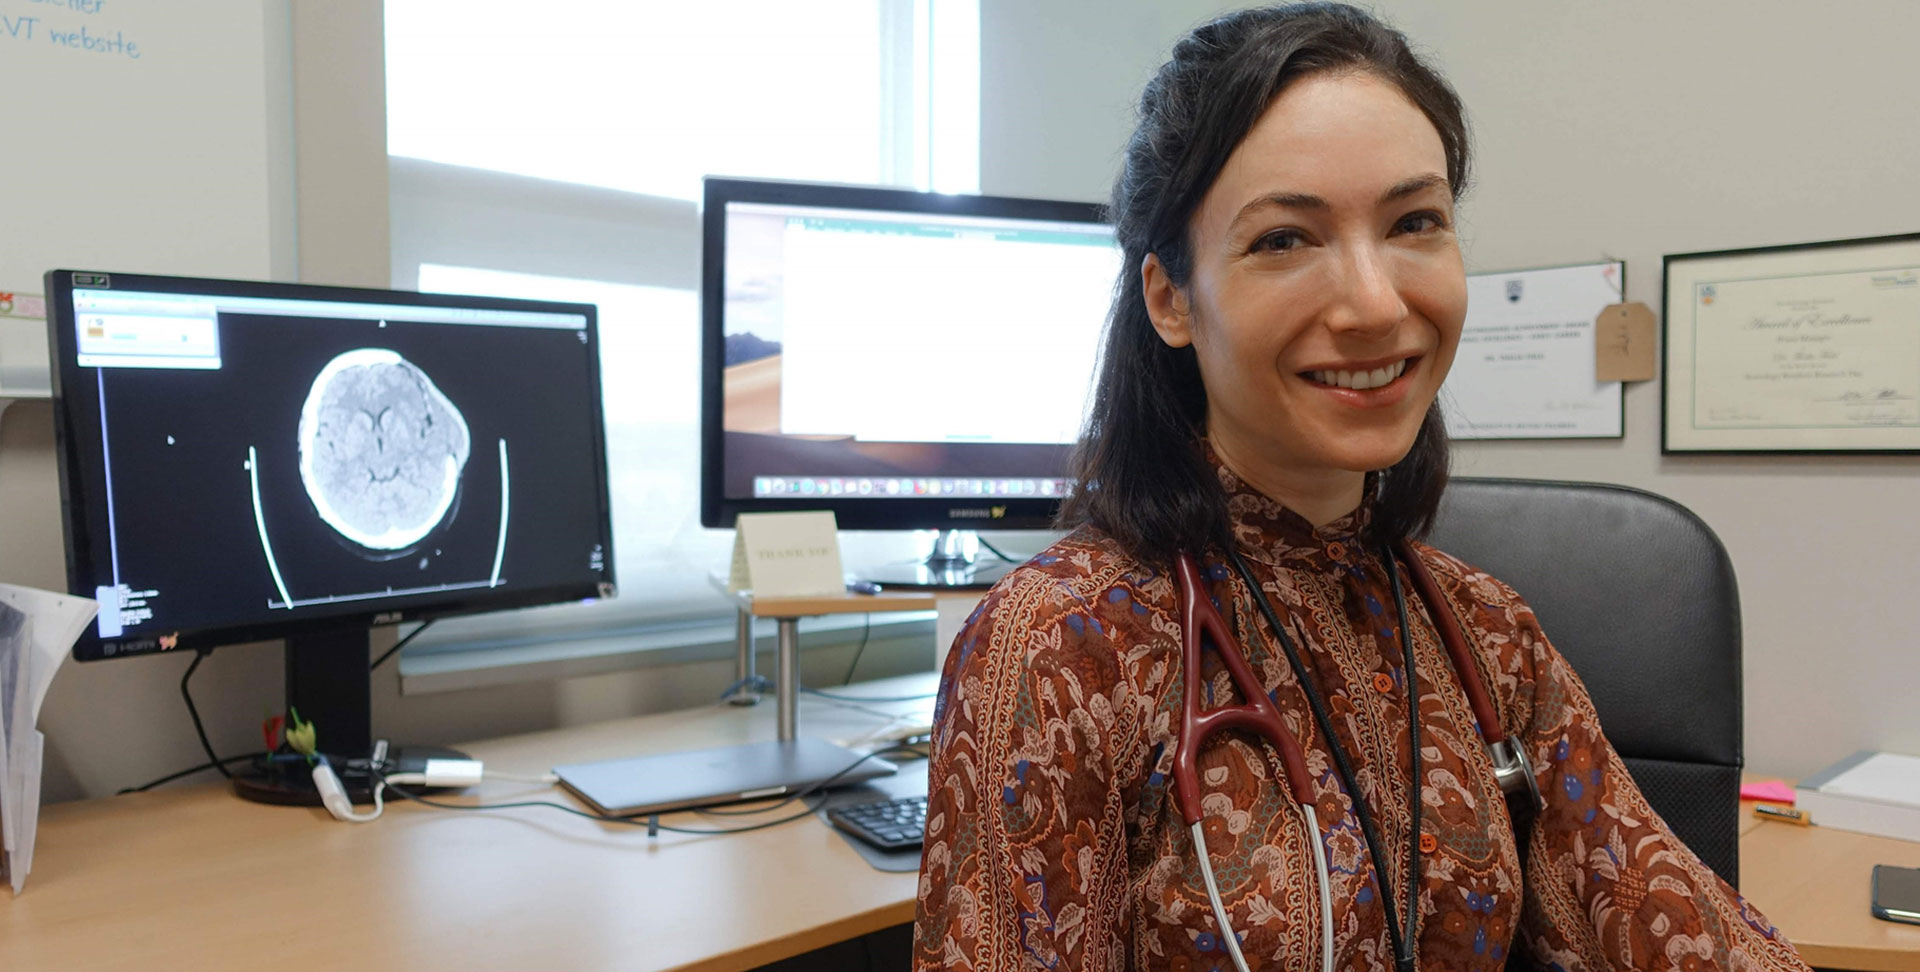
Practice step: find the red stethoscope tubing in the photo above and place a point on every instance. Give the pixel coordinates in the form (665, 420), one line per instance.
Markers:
(1456, 642)
(1200, 618)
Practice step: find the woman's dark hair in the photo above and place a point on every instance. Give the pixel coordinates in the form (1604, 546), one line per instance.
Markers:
(1143, 477)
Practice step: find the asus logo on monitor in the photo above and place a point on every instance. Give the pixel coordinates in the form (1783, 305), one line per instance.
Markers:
(976, 512)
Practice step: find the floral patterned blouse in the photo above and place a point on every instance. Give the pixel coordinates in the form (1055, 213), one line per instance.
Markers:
(1053, 840)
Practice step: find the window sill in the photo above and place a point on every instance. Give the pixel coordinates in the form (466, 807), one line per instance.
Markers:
(453, 667)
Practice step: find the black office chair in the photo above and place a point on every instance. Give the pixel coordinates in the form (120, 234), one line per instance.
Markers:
(1638, 594)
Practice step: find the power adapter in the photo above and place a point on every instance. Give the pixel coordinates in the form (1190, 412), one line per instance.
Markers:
(437, 773)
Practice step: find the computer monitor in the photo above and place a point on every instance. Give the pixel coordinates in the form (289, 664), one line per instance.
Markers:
(907, 360)
(247, 461)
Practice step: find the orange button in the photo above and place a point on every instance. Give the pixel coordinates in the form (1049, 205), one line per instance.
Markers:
(1429, 843)
(1382, 682)
(1337, 551)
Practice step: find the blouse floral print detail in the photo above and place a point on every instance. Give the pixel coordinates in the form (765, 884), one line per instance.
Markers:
(1053, 841)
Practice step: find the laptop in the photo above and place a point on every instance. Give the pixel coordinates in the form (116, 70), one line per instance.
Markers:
(709, 777)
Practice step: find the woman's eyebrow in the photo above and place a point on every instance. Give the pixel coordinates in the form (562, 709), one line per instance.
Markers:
(1307, 200)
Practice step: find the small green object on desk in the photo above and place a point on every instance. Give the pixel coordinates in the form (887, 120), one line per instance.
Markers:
(302, 738)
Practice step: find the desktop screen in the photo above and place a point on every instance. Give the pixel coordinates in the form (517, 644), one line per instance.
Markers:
(906, 359)
(241, 460)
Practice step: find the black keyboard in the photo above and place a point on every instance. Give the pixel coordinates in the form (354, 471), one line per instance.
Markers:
(887, 824)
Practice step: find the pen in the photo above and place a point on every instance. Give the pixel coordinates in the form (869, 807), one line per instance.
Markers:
(1768, 811)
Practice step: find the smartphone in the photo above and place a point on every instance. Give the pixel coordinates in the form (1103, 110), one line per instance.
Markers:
(1896, 893)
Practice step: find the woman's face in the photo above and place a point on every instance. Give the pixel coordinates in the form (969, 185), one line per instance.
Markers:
(1327, 290)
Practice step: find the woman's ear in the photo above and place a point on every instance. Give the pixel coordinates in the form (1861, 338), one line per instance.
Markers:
(1167, 304)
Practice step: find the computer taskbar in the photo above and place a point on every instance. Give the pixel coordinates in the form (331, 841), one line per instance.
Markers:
(889, 487)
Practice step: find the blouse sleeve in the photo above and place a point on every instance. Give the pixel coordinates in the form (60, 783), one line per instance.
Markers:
(1608, 885)
(1025, 864)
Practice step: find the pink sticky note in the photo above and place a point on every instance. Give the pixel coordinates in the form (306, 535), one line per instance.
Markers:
(1772, 791)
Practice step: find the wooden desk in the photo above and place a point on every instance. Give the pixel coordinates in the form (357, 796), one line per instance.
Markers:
(193, 877)
(1813, 883)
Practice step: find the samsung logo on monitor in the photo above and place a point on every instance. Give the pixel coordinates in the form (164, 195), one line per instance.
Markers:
(976, 512)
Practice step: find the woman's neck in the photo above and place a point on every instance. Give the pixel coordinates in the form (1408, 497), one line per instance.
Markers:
(1320, 496)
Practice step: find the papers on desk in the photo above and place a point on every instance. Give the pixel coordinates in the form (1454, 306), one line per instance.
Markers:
(1868, 793)
(37, 628)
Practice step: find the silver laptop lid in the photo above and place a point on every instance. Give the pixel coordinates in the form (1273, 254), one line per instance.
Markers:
(707, 777)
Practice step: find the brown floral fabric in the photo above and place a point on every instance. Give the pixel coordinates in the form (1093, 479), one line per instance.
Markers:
(1053, 840)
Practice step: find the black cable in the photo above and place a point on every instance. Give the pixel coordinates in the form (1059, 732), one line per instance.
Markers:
(866, 629)
(996, 551)
(199, 655)
(651, 821)
(402, 643)
(1413, 761)
(170, 777)
(1402, 954)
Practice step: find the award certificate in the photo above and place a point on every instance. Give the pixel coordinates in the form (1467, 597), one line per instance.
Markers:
(1794, 349)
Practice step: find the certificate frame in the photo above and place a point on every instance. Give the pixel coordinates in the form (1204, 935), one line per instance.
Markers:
(1804, 348)
(1563, 300)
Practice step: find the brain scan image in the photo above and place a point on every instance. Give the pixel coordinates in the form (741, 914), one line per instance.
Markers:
(381, 450)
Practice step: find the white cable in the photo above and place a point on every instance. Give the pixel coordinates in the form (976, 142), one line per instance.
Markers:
(1326, 892)
(1213, 896)
(334, 797)
(516, 777)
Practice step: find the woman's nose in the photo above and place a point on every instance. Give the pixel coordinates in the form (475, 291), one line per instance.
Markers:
(1368, 301)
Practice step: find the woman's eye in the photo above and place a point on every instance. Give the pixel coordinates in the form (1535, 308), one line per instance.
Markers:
(1421, 222)
(1278, 241)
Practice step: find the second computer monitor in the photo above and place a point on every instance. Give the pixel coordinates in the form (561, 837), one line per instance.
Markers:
(908, 360)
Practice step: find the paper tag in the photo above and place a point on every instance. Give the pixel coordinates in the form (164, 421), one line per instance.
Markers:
(1624, 343)
(786, 555)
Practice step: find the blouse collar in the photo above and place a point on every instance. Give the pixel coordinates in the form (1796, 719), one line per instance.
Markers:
(1273, 534)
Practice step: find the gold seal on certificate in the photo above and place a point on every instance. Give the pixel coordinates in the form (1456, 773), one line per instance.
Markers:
(1811, 348)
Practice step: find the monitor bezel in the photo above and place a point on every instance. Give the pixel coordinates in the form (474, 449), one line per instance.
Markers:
(63, 343)
(943, 513)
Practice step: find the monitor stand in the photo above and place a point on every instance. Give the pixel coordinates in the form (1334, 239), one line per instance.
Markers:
(330, 684)
(953, 563)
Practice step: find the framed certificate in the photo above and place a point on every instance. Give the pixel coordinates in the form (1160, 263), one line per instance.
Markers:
(1807, 348)
(1525, 365)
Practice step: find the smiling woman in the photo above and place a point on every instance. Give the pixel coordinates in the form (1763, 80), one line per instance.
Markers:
(1264, 443)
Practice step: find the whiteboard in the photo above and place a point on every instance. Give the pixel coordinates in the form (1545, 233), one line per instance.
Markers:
(140, 135)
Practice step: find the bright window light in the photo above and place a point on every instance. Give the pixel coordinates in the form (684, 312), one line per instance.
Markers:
(639, 95)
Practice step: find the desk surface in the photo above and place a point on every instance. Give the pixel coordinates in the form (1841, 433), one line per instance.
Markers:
(1813, 883)
(193, 877)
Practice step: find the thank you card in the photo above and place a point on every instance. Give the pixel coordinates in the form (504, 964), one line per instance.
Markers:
(786, 555)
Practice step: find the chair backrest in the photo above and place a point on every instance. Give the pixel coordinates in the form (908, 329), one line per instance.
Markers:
(1639, 596)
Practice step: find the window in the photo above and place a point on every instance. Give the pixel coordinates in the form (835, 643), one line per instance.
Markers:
(647, 95)
(558, 157)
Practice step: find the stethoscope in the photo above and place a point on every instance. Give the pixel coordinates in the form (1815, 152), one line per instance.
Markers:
(1199, 617)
